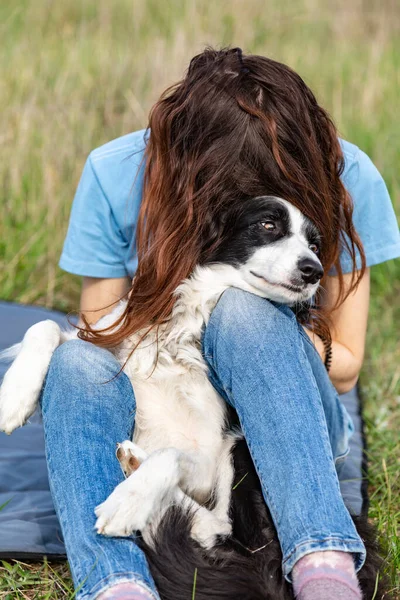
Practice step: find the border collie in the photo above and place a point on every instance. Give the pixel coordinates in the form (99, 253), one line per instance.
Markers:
(180, 466)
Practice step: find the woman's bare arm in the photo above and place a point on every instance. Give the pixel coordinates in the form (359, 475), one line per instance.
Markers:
(348, 332)
(99, 296)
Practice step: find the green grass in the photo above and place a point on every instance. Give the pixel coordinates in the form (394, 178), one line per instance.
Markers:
(76, 74)
(44, 581)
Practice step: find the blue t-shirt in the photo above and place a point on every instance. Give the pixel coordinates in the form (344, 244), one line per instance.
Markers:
(101, 236)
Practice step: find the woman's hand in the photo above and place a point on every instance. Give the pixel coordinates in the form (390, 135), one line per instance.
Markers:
(349, 327)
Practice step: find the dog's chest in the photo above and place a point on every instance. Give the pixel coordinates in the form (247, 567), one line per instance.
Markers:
(182, 411)
(176, 405)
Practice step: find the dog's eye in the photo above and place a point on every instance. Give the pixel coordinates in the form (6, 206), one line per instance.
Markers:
(314, 248)
(268, 225)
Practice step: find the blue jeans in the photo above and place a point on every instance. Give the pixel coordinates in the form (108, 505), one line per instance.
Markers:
(264, 365)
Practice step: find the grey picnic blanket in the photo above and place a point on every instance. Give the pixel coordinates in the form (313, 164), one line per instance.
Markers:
(29, 528)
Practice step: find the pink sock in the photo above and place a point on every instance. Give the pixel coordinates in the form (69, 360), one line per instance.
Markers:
(329, 575)
(126, 591)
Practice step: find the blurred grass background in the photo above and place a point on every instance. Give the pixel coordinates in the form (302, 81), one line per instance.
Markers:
(79, 73)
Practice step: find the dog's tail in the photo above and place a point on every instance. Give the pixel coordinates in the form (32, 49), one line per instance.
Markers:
(11, 353)
(182, 569)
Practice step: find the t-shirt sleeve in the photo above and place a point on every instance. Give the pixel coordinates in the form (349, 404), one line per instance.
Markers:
(373, 216)
(94, 245)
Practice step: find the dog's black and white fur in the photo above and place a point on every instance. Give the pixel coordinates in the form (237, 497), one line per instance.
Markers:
(187, 450)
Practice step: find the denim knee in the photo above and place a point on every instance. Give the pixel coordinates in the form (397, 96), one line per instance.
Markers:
(79, 364)
(77, 358)
(238, 313)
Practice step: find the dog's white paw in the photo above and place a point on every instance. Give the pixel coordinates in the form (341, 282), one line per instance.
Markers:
(207, 528)
(145, 494)
(130, 456)
(129, 508)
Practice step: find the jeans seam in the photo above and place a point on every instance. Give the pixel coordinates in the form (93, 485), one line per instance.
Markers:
(270, 503)
(210, 360)
(321, 418)
(306, 339)
(60, 509)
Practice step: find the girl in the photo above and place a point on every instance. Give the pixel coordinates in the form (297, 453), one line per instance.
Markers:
(151, 204)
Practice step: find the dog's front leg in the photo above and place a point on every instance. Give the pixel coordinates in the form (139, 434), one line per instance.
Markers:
(152, 486)
(148, 490)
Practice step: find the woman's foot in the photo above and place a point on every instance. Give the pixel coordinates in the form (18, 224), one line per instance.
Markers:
(330, 575)
(126, 591)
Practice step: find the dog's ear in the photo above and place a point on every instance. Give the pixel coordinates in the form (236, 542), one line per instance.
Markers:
(216, 227)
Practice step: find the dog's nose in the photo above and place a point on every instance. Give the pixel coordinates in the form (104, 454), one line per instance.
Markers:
(311, 271)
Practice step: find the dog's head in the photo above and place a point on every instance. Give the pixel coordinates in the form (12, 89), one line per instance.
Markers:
(274, 247)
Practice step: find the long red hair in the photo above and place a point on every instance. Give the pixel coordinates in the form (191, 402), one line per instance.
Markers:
(237, 126)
